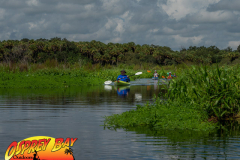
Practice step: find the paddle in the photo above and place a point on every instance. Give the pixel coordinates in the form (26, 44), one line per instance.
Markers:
(136, 74)
(107, 82)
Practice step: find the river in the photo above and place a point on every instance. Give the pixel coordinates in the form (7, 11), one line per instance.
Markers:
(79, 113)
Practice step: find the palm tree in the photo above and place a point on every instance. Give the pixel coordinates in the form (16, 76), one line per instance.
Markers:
(70, 151)
(132, 46)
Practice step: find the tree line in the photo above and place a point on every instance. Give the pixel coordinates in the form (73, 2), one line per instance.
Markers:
(65, 51)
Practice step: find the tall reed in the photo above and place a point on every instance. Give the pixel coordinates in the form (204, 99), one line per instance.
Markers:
(213, 89)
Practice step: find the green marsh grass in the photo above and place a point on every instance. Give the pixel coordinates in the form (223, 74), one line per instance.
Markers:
(197, 95)
(212, 89)
(53, 75)
(161, 115)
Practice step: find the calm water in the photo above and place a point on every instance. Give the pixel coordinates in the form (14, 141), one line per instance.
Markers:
(78, 113)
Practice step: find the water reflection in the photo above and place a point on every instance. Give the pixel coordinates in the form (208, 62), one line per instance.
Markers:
(72, 112)
(138, 97)
(123, 91)
(155, 84)
(78, 112)
(78, 95)
(186, 144)
(108, 87)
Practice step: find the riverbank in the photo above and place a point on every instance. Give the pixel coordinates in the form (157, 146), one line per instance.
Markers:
(197, 96)
(47, 76)
(196, 100)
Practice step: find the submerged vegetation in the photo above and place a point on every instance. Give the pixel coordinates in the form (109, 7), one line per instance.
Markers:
(199, 97)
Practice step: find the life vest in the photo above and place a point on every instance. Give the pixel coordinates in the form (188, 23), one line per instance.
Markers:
(169, 77)
(123, 78)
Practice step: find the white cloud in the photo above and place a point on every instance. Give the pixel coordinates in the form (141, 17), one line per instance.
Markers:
(116, 40)
(234, 44)
(38, 24)
(233, 5)
(89, 7)
(126, 16)
(211, 17)
(154, 30)
(32, 2)
(168, 30)
(113, 6)
(120, 26)
(31, 25)
(186, 40)
(2, 14)
(111, 23)
(178, 9)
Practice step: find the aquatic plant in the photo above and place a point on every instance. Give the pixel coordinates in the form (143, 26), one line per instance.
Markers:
(212, 89)
(161, 115)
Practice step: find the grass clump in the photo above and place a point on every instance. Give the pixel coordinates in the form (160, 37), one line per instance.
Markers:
(161, 115)
(212, 89)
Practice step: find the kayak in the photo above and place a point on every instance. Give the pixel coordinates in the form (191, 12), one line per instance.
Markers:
(155, 78)
(121, 83)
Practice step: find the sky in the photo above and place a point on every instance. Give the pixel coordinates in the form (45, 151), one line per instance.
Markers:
(172, 23)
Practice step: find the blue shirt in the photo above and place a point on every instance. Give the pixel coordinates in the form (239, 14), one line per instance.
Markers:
(123, 78)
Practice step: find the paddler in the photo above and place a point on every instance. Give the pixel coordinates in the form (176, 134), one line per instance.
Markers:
(174, 75)
(169, 76)
(123, 76)
(155, 74)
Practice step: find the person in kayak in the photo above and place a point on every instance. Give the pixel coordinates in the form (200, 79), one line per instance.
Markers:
(123, 76)
(155, 74)
(174, 75)
(169, 76)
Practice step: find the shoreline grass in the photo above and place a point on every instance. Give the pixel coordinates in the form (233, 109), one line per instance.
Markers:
(161, 115)
(197, 96)
(60, 75)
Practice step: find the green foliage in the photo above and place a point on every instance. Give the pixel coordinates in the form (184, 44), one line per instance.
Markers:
(48, 78)
(40, 50)
(54, 75)
(238, 48)
(161, 115)
(213, 89)
(197, 95)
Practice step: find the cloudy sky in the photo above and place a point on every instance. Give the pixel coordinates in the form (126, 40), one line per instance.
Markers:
(173, 23)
